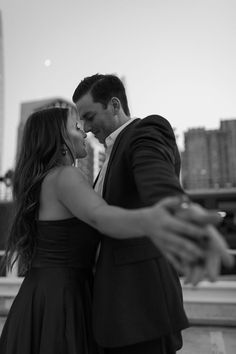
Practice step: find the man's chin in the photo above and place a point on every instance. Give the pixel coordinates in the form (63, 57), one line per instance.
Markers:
(100, 140)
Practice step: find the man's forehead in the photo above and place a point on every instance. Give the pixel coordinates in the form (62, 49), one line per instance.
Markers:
(85, 100)
(85, 108)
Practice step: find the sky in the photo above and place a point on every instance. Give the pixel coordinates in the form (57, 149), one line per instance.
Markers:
(177, 56)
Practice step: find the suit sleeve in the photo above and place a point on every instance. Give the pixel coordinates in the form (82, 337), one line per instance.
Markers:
(155, 160)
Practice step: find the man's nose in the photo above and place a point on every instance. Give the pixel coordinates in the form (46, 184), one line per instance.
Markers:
(86, 127)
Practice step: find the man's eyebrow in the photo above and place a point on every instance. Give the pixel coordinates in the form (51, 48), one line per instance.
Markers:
(87, 114)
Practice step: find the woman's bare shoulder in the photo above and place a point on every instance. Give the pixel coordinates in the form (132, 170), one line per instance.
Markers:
(62, 172)
(58, 175)
(68, 172)
(70, 176)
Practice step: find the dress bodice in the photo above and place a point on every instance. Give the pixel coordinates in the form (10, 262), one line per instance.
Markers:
(65, 243)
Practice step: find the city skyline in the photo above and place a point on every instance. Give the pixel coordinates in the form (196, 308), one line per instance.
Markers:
(207, 155)
(208, 160)
(178, 59)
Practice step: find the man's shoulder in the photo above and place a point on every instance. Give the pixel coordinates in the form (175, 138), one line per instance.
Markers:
(148, 127)
(154, 123)
(154, 119)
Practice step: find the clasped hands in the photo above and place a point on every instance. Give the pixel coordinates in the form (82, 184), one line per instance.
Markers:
(189, 239)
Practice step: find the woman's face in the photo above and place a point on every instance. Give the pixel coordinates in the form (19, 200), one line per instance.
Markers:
(76, 134)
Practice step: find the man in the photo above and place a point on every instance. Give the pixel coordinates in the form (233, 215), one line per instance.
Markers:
(138, 305)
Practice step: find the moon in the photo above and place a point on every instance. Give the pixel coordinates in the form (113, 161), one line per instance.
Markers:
(47, 62)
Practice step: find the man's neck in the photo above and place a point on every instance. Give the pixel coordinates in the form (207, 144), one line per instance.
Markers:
(122, 120)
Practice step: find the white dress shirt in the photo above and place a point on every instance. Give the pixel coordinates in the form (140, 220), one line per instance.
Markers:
(109, 142)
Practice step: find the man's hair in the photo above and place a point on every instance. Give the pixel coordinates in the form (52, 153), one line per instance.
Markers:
(102, 88)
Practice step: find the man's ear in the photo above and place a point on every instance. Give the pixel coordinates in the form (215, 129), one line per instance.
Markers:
(116, 105)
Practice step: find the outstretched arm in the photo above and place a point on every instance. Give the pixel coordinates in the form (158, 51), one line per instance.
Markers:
(171, 233)
(75, 193)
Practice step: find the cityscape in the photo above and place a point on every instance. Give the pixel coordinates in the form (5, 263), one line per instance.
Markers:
(208, 175)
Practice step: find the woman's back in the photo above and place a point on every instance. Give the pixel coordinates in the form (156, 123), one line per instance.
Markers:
(65, 243)
(50, 207)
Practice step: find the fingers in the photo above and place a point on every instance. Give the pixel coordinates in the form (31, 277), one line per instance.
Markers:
(186, 251)
(180, 247)
(190, 242)
(194, 274)
(176, 263)
(218, 245)
(172, 204)
(190, 211)
(198, 215)
(186, 228)
(212, 266)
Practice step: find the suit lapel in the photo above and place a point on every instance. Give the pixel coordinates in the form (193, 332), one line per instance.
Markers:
(114, 150)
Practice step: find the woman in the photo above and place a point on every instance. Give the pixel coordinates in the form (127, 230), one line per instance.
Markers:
(54, 240)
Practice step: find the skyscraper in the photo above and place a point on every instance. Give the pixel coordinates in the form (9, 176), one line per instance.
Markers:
(1, 94)
(209, 157)
(228, 128)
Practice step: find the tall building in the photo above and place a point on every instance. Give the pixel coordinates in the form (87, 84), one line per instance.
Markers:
(1, 94)
(208, 160)
(194, 164)
(228, 128)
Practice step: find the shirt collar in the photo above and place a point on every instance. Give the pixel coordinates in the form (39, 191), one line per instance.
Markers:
(109, 141)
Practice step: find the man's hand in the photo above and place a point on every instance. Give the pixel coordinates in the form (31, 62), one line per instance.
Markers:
(214, 245)
(189, 240)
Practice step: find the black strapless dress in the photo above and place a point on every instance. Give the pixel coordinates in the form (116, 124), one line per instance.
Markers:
(51, 313)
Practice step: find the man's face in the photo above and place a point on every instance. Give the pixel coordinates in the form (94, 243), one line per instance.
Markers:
(95, 118)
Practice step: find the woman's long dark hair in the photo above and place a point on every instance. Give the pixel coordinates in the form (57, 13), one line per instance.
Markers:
(44, 134)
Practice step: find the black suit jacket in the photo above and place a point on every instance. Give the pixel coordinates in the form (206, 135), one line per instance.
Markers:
(137, 293)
